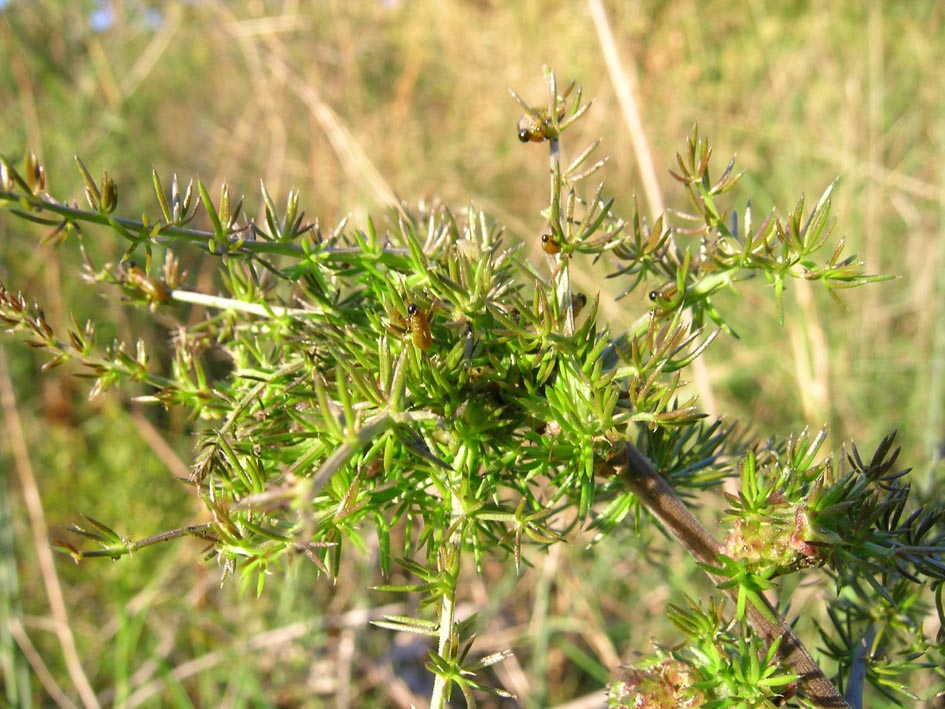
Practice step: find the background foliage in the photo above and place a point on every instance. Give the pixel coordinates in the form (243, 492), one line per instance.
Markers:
(354, 102)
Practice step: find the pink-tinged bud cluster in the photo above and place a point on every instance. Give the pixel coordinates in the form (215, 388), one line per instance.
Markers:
(668, 685)
(780, 539)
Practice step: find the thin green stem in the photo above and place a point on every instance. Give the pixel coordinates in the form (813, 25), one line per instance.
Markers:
(449, 559)
(561, 277)
(161, 233)
(217, 302)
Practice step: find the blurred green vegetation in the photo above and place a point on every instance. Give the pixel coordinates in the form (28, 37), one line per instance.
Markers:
(353, 102)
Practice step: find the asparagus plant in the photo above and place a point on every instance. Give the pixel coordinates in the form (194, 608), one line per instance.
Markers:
(422, 385)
